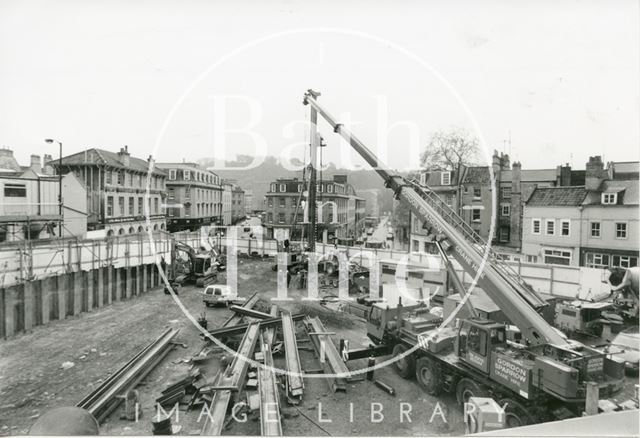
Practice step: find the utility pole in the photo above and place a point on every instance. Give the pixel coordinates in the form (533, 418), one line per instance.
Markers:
(60, 209)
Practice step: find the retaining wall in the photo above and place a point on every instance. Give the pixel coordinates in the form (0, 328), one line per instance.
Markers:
(33, 303)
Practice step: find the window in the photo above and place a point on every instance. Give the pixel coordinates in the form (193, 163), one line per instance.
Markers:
(281, 218)
(140, 206)
(504, 234)
(624, 261)
(609, 198)
(299, 187)
(187, 192)
(415, 246)
(270, 203)
(594, 260)
(186, 175)
(283, 202)
(121, 178)
(283, 187)
(550, 227)
(448, 199)
(477, 193)
(445, 178)
(621, 230)
(320, 188)
(475, 215)
(505, 210)
(270, 217)
(156, 205)
(532, 259)
(330, 188)
(121, 205)
(132, 202)
(107, 176)
(557, 257)
(187, 210)
(171, 193)
(505, 192)
(273, 187)
(595, 229)
(565, 227)
(109, 205)
(15, 191)
(130, 179)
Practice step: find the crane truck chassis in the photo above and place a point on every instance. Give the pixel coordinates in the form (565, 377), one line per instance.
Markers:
(543, 377)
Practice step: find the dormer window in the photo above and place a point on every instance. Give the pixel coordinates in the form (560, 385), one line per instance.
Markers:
(187, 175)
(172, 174)
(283, 187)
(445, 178)
(609, 198)
(273, 187)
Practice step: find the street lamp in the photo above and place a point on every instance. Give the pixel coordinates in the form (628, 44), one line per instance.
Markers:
(60, 211)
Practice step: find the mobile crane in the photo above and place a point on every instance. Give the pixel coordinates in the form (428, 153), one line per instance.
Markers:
(543, 375)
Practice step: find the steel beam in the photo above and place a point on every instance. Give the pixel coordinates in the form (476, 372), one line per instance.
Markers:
(233, 377)
(270, 419)
(333, 363)
(295, 383)
(236, 318)
(270, 333)
(104, 399)
(227, 331)
(250, 312)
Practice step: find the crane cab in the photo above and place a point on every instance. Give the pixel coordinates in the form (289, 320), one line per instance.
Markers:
(476, 340)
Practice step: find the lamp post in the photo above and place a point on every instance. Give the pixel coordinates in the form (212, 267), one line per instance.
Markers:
(60, 210)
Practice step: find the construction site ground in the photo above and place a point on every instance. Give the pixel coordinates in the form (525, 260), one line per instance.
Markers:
(33, 378)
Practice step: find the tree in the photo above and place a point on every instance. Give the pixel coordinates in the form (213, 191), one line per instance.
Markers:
(450, 150)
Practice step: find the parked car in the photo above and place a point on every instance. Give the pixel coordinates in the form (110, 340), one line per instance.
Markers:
(218, 294)
(626, 345)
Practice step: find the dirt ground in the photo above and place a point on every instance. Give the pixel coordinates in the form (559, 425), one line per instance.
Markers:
(32, 379)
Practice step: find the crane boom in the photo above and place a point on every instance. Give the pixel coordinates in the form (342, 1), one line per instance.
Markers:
(507, 290)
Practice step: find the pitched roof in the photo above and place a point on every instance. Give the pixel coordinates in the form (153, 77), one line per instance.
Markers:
(628, 192)
(624, 170)
(107, 158)
(477, 174)
(557, 197)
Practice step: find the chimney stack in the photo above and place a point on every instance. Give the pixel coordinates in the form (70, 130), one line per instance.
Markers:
(48, 168)
(8, 161)
(123, 156)
(595, 173)
(563, 175)
(36, 164)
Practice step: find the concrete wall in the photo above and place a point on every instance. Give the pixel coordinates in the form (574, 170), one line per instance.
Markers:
(35, 260)
(35, 303)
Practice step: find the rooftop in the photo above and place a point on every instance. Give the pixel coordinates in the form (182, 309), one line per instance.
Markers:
(107, 158)
(557, 196)
(628, 192)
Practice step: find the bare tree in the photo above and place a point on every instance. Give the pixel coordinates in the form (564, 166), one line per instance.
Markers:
(449, 150)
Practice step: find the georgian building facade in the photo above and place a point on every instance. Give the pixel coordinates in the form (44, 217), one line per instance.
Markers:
(116, 190)
(340, 212)
(194, 196)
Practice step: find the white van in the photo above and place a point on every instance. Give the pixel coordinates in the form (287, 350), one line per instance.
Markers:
(218, 294)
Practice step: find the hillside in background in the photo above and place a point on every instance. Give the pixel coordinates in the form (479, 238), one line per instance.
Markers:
(367, 183)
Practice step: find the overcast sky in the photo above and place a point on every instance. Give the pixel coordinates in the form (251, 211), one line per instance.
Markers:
(559, 78)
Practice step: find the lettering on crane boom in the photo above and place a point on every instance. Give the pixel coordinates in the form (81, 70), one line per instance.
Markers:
(436, 224)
